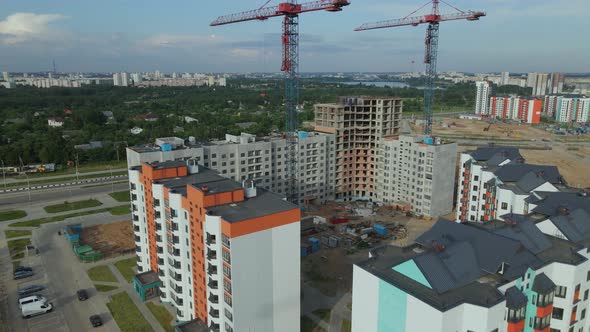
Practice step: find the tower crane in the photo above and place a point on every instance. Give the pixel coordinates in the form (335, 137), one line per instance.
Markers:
(290, 65)
(433, 20)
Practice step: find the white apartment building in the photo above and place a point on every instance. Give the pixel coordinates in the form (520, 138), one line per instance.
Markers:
(225, 254)
(496, 181)
(485, 90)
(572, 109)
(419, 172)
(262, 160)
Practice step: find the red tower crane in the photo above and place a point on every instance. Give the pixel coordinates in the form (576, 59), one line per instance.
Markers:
(430, 57)
(290, 65)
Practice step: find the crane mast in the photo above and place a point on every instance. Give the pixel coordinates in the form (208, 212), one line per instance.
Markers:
(289, 65)
(433, 20)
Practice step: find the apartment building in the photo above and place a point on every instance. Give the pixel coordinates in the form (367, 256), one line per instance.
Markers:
(417, 172)
(359, 124)
(262, 160)
(226, 253)
(526, 110)
(485, 90)
(496, 277)
(572, 109)
(495, 181)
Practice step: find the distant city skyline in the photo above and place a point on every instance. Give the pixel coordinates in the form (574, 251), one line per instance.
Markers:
(117, 36)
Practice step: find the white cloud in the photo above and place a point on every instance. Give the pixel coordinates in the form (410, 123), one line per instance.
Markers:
(23, 27)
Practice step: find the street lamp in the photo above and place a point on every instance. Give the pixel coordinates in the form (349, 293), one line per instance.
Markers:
(3, 174)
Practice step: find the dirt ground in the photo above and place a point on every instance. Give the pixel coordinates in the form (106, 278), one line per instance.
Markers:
(452, 126)
(111, 239)
(574, 165)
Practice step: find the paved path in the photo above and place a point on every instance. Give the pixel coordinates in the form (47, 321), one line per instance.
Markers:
(340, 312)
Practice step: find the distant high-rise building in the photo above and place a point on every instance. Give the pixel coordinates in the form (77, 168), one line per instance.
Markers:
(6, 76)
(556, 83)
(116, 79)
(124, 79)
(157, 74)
(174, 75)
(136, 78)
(572, 109)
(505, 78)
(538, 81)
(50, 75)
(485, 90)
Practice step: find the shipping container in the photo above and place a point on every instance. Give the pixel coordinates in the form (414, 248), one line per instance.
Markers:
(338, 220)
(305, 249)
(334, 241)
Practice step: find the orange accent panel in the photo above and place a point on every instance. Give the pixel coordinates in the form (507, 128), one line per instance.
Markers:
(259, 224)
(147, 181)
(542, 312)
(515, 327)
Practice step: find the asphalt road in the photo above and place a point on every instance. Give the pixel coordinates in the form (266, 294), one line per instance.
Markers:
(14, 200)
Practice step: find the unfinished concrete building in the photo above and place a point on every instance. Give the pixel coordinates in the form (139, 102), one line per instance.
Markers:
(359, 124)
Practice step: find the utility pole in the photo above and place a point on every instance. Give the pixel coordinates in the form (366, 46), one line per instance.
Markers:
(77, 175)
(27, 176)
(3, 174)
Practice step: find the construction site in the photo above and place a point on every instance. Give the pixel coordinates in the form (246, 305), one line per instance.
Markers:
(102, 241)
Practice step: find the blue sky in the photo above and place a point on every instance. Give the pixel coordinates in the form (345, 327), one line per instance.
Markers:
(142, 35)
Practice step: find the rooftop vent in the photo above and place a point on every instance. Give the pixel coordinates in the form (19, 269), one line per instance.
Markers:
(249, 188)
(540, 174)
(192, 166)
(437, 246)
(563, 211)
(205, 189)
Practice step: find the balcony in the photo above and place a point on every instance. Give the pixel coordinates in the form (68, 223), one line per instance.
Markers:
(137, 238)
(213, 298)
(212, 269)
(213, 284)
(210, 239)
(136, 228)
(211, 254)
(214, 313)
(178, 301)
(137, 249)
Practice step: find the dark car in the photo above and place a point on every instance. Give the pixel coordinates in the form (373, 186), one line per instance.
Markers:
(23, 268)
(82, 295)
(28, 290)
(95, 320)
(23, 274)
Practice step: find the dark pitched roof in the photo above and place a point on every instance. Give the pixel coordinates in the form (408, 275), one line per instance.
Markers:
(515, 298)
(192, 326)
(525, 231)
(516, 172)
(575, 225)
(496, 155)
(543, 284)
(551, 202)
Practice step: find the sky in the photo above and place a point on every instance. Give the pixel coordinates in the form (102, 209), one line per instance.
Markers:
(174, 35)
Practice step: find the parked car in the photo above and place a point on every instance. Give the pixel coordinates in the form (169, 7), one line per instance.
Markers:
(82, 294)
(30, 299)
(28, 290)
(23, 274)
(95, 320)
(23, 268)
(36, 308)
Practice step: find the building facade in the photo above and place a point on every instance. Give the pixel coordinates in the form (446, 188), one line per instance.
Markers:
(262, 160)
(419, 173)
(526, 110)
(496, 181)
(485, 90)
(224, 252)
(359, 125)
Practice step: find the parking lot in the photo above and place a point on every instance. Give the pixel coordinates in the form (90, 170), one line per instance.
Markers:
(58, 270)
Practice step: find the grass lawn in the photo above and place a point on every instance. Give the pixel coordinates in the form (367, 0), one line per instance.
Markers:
(126, 314)
(323, 314)
(127, 268)
(101, 273)
(10, 234)
(308, 325)
(346, 326)
(162, 315)
(121, 196)
(120, 210)
(11, 215)
(17, 247)
(117, 210)
(104, 288)
(69, 206)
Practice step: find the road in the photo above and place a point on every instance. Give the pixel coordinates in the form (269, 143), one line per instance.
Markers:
(20, 199)
(106, 172)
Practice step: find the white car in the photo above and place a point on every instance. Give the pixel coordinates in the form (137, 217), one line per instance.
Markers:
(36, 308)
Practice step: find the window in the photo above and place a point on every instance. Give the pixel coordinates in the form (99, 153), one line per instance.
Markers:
(226, 256)
(227, 299)
(557, 313)
(227, 286)
(504, 206)
(228, 315)
(585, 295)
(583, 315)
(545, 300)
(474, 188)
(560, 291)
(476, 178)
(227, 271)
